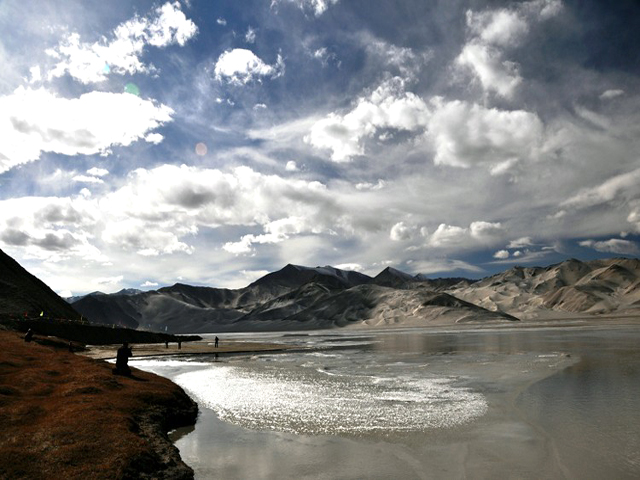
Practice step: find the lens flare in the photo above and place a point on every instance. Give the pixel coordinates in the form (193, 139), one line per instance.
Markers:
(201, 149)
(132, 88)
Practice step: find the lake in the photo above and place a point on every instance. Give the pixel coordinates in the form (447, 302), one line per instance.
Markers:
(417, 403)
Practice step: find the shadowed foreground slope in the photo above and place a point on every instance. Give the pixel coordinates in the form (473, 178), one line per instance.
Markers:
(66, 416)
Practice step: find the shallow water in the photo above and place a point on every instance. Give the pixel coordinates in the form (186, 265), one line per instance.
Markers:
(509, 403)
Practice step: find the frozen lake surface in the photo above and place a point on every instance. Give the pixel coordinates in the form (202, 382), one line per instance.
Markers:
(418, 403)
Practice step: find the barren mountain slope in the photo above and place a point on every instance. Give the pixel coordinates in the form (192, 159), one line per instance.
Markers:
(575, 287)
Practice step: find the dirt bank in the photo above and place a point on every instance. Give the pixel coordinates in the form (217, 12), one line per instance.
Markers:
(67, 416)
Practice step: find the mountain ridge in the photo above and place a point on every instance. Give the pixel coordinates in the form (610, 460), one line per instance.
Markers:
(299, 297)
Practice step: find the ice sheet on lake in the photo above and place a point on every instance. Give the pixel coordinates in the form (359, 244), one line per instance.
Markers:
(308, 401)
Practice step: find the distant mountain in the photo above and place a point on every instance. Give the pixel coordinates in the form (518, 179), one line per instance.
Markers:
(295, 297)
(571, 287)
(298, 297)
(21, 292)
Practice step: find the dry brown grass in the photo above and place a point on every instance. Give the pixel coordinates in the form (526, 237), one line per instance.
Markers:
(67, 416)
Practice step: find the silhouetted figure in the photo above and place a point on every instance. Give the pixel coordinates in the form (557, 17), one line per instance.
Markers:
(71, 347)
(216, 344)
(28, 336)
(179, 344)
(166, 344)
(122, 360)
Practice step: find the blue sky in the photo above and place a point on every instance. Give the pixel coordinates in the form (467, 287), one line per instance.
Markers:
(147, 143)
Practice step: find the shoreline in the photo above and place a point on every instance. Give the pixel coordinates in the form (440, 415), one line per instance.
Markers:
(229, 347)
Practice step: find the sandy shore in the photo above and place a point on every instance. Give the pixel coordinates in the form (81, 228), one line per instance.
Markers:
(63, 415)
(204, 347)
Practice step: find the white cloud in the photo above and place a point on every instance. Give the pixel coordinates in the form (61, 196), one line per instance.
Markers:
(97, 172)
(37, 121)
(448, 235)
(317, 6)
(443, 265)
(494, 73)
(614, 245)
(388, 107)
(291, 166)
(351, 267)
(520, 242)
(241, 66)
(221, 21)
(109, 280)
(501, 254)
(149, 284)
(93, 62)
(623, 186)
(400, 231)
(87, 179)
(497, 27)
(491, 32)
(451, 236)
(634, 216)
(486, 230)
(160, 206)
(609, 94)
(371, 186)
(465, 134)
(250, 36)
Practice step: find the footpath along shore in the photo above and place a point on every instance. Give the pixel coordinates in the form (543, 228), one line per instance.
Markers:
(203, 347)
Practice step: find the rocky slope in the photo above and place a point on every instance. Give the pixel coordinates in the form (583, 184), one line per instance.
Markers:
(609, 286)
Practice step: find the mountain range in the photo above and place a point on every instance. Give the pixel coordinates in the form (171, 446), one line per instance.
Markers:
(301, 298)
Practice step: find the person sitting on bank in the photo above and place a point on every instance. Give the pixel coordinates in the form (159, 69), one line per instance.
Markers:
(122, 360)
(28, 336)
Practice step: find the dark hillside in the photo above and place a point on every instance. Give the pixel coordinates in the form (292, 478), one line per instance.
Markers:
(21, 292)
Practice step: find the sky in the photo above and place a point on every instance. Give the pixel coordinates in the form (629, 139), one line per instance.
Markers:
(148, 143)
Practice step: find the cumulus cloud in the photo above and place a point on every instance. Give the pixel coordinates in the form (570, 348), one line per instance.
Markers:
(614, 245)
(520, 242)
(486, 230)
(388, 107)
(49, 228)
(501, 254)
(161, 210)
(491, 32)
(446, 236)
(400, 231)
(291, 166)
(93, 62)
(465, 134)
(241, 66)
(37, 121)
(183, 199)
(149, 284)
